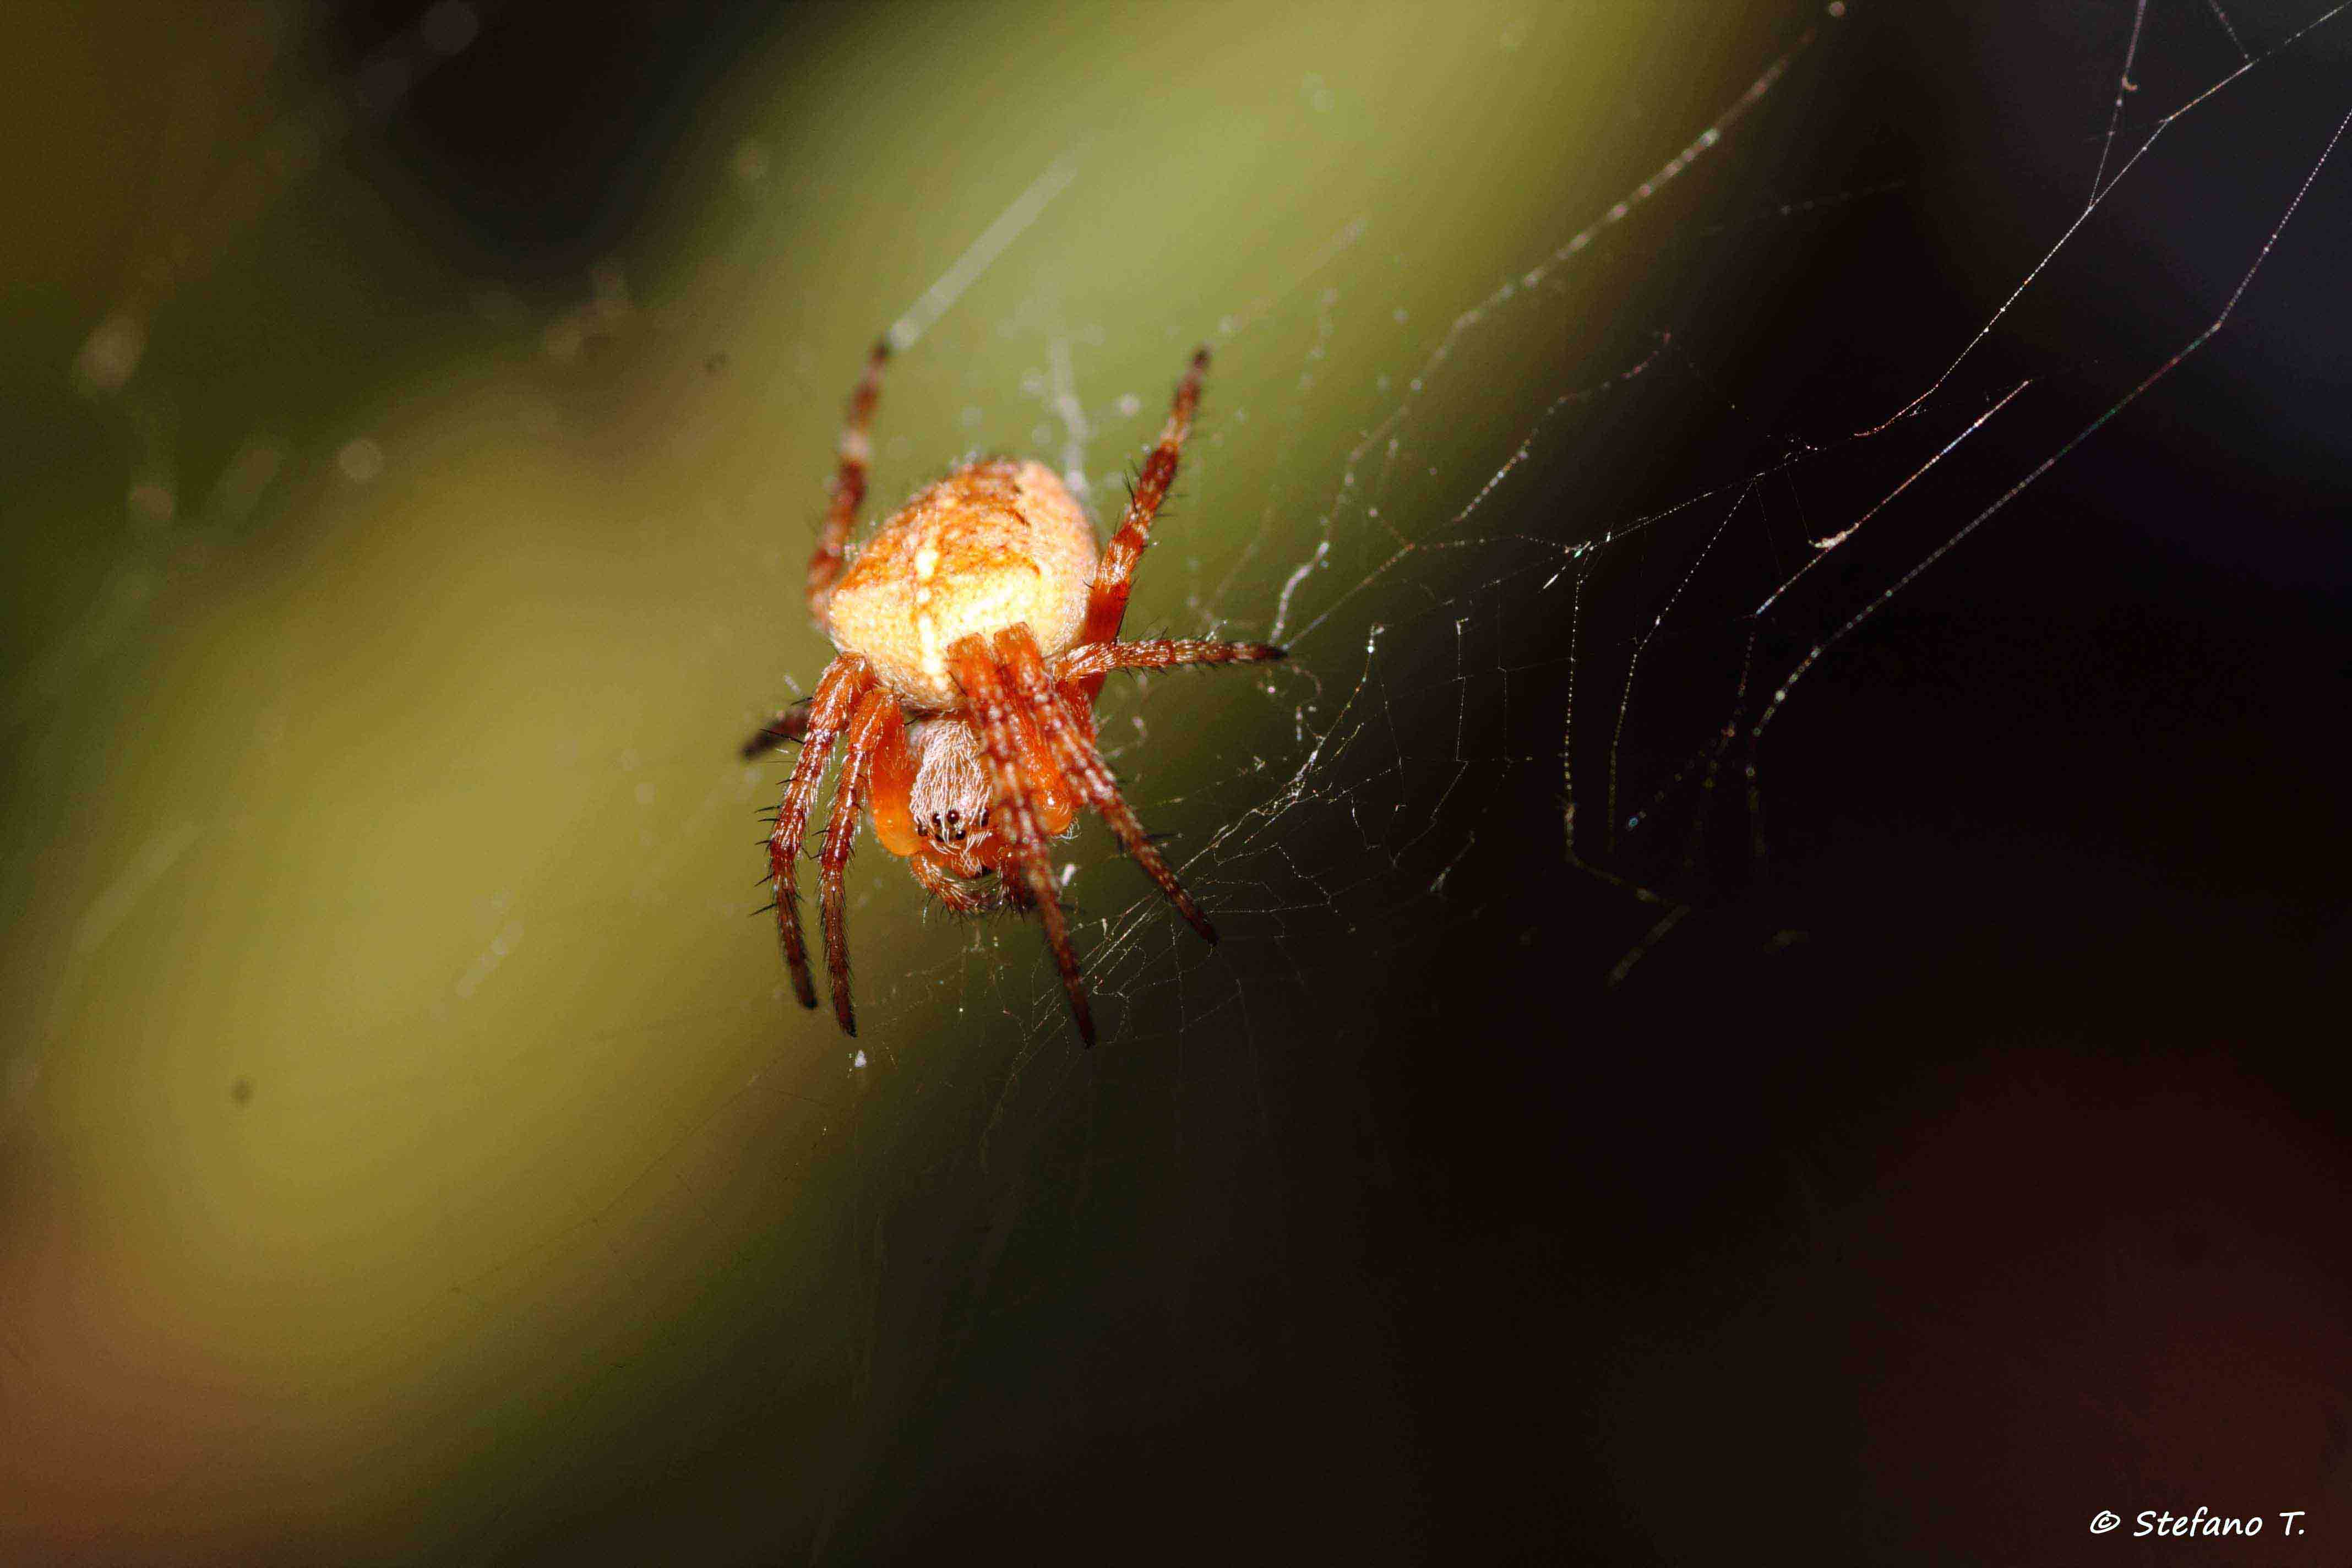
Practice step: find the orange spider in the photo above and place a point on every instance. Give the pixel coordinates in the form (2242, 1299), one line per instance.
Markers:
(975, 632)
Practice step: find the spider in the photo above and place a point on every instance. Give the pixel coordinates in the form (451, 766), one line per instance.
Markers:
(974, 631)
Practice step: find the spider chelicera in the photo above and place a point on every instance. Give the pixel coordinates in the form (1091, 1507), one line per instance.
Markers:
(975, 631)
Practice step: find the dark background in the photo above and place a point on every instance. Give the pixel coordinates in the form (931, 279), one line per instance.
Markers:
(1973, 1160)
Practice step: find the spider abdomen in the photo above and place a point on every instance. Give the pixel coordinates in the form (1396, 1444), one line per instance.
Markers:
(991, 546)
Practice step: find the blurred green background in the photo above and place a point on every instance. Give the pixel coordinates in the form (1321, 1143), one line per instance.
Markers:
(417, 421)
(410, 1142)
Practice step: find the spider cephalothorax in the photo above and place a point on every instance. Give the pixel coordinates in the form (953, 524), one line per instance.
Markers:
(975, 631)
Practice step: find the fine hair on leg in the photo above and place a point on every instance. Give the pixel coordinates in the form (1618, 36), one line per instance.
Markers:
(868, 732)
(961, 897)
(848, 483)
(1082, 764)
(789, 725)
(1115, 573)
(1093, 660)
(992, 713)
(845, 679)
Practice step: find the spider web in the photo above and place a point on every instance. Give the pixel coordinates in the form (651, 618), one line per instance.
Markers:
(1424, 586)
(1573, 536)
(1508, 647)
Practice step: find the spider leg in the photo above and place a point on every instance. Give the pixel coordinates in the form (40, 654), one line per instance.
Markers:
(961, 897)
(848, 483)
(1094, 660)
(789, 725)
(1075, 751)
(1115, 573)
(845, 679)
(991, 709)
(872, 729)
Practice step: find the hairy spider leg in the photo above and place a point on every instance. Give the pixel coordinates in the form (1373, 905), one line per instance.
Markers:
(1115, 573)
(845, 679)
(848, 483)
(875, 730)
(1083, 766)
(992, 712)
(961, 897)
(789, 725)
(1091, 661)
